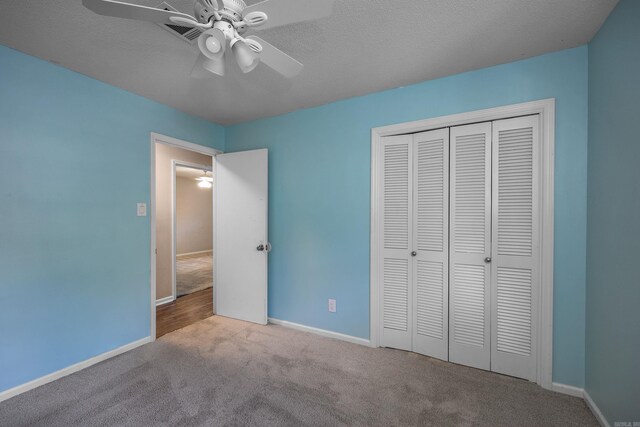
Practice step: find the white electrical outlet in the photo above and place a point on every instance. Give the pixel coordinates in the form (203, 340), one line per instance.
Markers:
(142, 209)
(332, 305)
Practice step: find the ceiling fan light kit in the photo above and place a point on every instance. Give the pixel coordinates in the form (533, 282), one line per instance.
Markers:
(224, 23)
(247, 58)
(211, 65)
(212, 43)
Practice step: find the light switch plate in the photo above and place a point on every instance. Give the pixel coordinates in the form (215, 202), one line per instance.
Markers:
(142, 209)
(332, 305)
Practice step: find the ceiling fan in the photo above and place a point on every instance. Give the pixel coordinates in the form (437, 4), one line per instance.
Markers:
(224, 22)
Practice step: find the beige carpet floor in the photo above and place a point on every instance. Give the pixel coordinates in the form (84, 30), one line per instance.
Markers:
(193, 273)
(221, 372)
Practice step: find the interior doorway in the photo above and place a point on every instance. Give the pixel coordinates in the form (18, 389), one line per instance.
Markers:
(182, 234)
(239, 233)
(192, 228)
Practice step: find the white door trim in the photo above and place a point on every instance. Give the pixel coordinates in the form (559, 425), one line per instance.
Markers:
(174, 218)
(546, 109)
(167, 140)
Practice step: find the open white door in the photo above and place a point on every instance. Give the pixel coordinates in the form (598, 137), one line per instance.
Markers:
(241, 245)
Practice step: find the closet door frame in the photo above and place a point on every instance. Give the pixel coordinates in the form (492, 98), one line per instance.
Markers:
(545, 109)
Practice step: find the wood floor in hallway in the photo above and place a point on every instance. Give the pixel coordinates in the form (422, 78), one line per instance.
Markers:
(184, 311)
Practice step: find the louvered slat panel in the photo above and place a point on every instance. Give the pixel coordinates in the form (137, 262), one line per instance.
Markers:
(430, 195)
(515, 243)
(514, 311)
(469, 304)
(515, 186)
(396, 196)
(394, 230)
(469, 245)
(396, 293)
(430, 271)
(429, 294)
(470, 207)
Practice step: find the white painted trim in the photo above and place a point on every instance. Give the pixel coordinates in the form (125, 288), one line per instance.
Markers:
(321, 332)
(583, 394)
(214, 236)
(174, 223)
(567, 389)
(195, 253)
(546, 109)
(596, 411)
(152, 224)
(163, 139)
(165, 300)
(167, 140)
(23, 388)
(374, 287)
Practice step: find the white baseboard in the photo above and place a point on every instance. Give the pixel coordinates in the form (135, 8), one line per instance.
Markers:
(12, 392)
(582, 393)
(165, 300)
(596, 411)
(195, 253)
(322, 332)
(567, 389)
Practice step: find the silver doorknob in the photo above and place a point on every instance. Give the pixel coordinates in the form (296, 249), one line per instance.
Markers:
(414, 253)
(487, 259)
(260, 248)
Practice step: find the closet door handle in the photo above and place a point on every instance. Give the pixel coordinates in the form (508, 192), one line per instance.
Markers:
(414, 253)
(487, 260)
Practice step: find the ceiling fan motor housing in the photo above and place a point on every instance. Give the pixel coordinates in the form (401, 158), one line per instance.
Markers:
(205, 10)
(235, 6)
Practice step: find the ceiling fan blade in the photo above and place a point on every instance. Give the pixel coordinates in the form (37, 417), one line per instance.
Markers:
(134, 11)
(281, 12)
(277, 59)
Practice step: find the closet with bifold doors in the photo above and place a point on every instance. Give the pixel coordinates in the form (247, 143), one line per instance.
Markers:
(458, 244)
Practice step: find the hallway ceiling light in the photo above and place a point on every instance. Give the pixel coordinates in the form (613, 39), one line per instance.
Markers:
(205, 181)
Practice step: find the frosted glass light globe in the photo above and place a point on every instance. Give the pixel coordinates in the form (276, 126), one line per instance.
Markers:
(213, 45)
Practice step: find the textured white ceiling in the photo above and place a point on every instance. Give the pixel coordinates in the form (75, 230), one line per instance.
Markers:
(186, 172)
(366, 46)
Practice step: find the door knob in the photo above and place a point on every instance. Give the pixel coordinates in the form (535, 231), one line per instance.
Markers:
(414, 253)
(260, 248)
(487, 259)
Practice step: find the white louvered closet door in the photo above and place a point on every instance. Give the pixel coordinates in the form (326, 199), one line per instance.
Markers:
(516, 245)
(469, 274)
(395, 240)
(431, 243)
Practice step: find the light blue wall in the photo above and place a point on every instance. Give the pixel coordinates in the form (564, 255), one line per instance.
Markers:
(613, 276)
(320, 192)
(74, 258)
(74, 160)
